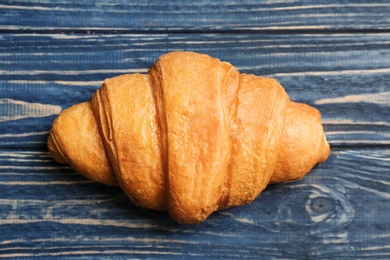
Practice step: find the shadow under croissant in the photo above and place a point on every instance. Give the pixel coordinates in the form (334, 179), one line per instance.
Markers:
(192, 136)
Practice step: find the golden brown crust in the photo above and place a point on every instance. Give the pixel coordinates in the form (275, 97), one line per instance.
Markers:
(193, 91)
(191, 136)
(130, 137)
(303, 143)
(255, 140)
(74, 138)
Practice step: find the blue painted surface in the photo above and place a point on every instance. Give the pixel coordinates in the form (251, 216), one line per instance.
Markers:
(334, 55)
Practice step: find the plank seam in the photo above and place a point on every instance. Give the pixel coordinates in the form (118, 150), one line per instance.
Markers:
(98, 31)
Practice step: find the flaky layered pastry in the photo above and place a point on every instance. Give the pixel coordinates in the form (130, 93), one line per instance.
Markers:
(191, 136)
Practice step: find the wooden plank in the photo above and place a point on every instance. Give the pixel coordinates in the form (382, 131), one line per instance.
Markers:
(344, 75)
(218, 15)
(340, 209)
(334, 55)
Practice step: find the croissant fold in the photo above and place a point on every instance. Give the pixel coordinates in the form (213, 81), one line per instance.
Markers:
(191, 136)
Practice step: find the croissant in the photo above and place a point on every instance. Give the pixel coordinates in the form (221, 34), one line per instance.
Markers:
(191, 136)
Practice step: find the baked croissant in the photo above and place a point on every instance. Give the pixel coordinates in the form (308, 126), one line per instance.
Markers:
(191, 136)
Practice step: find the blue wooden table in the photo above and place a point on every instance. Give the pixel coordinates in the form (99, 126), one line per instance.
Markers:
(334, 55)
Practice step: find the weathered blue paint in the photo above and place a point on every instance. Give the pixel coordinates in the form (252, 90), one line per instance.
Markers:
(334, 55)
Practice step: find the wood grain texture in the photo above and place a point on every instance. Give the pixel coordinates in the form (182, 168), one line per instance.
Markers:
(62, 214)
(251, 15)
(334, 55)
